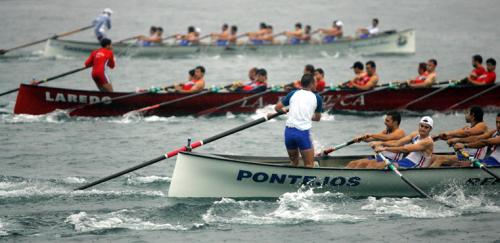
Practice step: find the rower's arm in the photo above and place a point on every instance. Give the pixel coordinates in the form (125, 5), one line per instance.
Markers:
(421, 146)
(398, 134)
(475, 138)
(399, 142)
(367, 87)
(478, 129)
(474, 82)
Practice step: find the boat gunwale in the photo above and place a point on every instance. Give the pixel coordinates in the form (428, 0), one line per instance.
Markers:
(220, 157)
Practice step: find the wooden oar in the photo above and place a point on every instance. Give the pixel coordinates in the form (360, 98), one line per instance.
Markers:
(152, 107)
(184, 148)
(427, 95)
(137, 93)
(477, 163)
(48, 79)
(169, 37)
(474, 96)
(335, 148)
(2, 51)
(130, 38)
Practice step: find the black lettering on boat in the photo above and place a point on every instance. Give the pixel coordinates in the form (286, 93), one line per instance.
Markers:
(307, 179)
(338, 181)
(243, 174)
(353, 181)
(294, 178)
(263, 177)
(277, 178)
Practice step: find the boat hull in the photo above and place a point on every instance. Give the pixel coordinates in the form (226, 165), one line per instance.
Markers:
(201, 175)
(36, 100)
(402, 42)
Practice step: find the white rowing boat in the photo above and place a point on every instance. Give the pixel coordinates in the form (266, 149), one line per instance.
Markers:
(390, 42)
(206, 175)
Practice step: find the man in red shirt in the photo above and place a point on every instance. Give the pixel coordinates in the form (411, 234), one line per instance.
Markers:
(490, 76)
(477, 63)
(98, 59)
(319, 76)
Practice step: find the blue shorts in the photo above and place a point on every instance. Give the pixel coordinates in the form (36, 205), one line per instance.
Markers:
(490, 161)
(364, 36)
(297, 139)
(406, 163)
(294, 41)
(221, 42)
(184, 43)
(329, 39)
(257, 42)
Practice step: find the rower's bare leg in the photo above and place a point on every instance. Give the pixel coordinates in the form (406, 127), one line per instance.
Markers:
(364, 163)
(293, 154)
(308, 157)
(352, 164)
(440, 160)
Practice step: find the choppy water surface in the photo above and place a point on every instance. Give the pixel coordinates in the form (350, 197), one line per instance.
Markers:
(42, 158)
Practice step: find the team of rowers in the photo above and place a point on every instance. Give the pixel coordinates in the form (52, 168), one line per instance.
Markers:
(264, 35)
(393, 143)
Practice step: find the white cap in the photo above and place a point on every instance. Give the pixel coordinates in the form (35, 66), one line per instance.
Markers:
(427, 120)
(197, 30)
(108, 10)
(339, 23)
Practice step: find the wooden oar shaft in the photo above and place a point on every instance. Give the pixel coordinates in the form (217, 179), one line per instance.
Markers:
(337, 147)
(184, 148)
(48, 79)
(43, 40)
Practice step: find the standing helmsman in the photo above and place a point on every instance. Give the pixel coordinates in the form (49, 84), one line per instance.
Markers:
(98, 60)
(102, 23)
(304, 106)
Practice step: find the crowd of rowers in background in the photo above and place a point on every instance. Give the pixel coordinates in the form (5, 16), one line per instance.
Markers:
(365, 77)
(264, 35)
(416, 148)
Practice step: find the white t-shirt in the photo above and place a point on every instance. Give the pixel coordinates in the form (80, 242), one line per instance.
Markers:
(373, 30)
(303, 104)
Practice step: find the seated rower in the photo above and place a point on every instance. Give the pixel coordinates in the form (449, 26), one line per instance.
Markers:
(430, 78)
(489, 77)
(319, 76)
(255, 38)
(332, 34)
(195, 85)
(252, 75)
(474, 116)
(233, 35)
(268, 37)
(491, 139)
(422, 74)
(308, 69)
(307, 36)
(222, 38)
(259, 85)
(191, 38)
(295, 37)
(418, 145)
(392, 132)
(368, 31)
(367, 80)
(154, 39)
(477, 64)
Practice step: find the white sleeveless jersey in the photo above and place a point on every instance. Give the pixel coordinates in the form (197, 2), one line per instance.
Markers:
(419, 158)
(495, 149)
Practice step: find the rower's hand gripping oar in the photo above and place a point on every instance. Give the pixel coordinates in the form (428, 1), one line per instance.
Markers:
(337, 147)
(47, 79)
(476, 163)
(393, 168)
(2, 51)
(184, 148)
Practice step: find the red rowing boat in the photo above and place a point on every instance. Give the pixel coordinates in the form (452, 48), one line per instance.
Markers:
(38, 100)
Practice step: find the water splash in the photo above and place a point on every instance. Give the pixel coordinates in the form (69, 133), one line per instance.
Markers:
(407, 207)
(83, 222)
(139, 180)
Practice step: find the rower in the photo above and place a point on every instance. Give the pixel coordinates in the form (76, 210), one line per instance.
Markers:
(430, 79)
(491, 139)
(304, 107)
(295, 37)
(154, 39)
(422, 74)
(222, 38)
(191, 38)
(102, 23)
(474, 116)
(308, 69)
(252, 75)
(259, 85)
(365, 81)
(363, 33)
(307, 36)
(334, 33)
(195, 85)
(319, 76)
(255, 38)
(392, 132)
(268, 37)
(489, 77)
(98, 59)
(418, 145)
(477, 63)
(233, 35)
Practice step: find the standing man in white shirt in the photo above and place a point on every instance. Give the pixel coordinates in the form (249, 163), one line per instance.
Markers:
(305, 106)
(102, 23)
(368, 31)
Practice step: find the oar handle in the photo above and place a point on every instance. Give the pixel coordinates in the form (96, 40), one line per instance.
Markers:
(476, 163)
(337, 147)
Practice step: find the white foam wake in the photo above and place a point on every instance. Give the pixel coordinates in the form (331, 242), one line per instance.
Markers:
(83, 222)
(147, 179)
